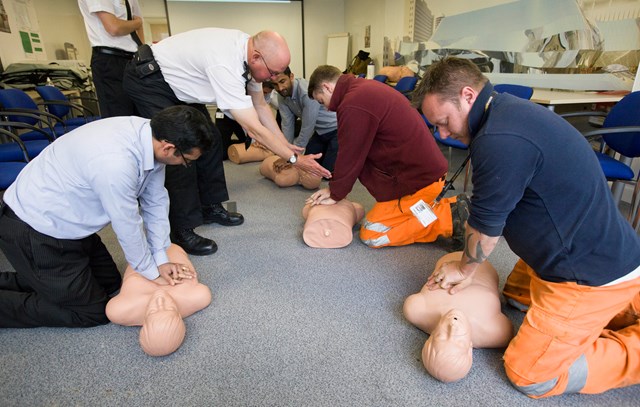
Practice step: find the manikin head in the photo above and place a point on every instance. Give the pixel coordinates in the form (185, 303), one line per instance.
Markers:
(448, 353)
(163, 329)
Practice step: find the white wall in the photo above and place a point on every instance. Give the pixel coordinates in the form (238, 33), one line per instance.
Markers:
(251, 18)
(386, 18)
(60, 21)
(321, 18)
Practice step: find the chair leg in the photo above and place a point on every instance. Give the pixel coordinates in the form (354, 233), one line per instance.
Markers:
(617, 189)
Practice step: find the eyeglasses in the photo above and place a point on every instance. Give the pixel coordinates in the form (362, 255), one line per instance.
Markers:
(272, 73)
(187, 162)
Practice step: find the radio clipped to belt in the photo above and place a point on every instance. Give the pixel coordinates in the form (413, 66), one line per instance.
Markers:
(146, 64)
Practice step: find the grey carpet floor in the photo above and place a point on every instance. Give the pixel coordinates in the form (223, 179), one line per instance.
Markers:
(288, 326)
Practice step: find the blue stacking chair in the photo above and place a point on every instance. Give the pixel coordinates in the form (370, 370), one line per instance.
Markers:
(10, 150)
(406, 85)
(521, 91)
(11, 167)
(619, 145)
(451, 144)
(380, 78)
(17, 106)
(72, 114)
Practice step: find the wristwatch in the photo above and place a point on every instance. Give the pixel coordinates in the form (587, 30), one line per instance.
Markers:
(293, 159)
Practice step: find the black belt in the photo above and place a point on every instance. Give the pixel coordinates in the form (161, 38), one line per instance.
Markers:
(114, 51)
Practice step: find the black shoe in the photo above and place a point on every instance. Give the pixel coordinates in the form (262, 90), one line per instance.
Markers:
(459, 216)
(216, 213)
(193, 243)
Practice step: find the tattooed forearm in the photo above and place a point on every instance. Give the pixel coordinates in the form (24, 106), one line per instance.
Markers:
(479, 257)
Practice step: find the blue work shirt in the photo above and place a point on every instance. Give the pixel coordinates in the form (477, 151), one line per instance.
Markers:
(314, 116)
(103, 172)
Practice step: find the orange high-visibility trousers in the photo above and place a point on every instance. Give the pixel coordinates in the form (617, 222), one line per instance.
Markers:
(516, 288)
(565, 345)
(391, 223)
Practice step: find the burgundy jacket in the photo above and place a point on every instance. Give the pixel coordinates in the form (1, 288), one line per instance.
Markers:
(382, 141)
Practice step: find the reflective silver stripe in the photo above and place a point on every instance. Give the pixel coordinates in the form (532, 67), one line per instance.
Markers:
(577, 375)
(375, 227)
(577, 379)
(538, 389)
(518, 305)
(377, 242)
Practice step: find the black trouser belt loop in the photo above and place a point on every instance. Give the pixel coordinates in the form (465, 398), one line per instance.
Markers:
(114, 51)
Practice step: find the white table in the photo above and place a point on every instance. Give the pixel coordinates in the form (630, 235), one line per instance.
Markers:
(552, 98)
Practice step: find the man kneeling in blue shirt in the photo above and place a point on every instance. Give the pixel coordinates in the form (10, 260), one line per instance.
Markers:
(109, 171)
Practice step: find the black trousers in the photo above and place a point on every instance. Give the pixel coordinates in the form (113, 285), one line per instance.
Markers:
(107, 71)
(203, 183)
(327, 144)
(228, 127)
(57, 282)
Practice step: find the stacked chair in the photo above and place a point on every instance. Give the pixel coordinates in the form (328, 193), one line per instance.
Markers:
(13, 158)
(619, 139)
(406, 85)
(16, 106)
(380, 78)
(72, 114)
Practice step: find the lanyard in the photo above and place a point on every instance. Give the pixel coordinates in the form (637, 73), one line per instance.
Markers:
(449, 184)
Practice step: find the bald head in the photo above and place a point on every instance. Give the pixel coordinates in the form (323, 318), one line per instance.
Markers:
(269, 55)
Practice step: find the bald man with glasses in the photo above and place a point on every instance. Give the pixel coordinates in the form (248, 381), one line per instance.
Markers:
(212, 66)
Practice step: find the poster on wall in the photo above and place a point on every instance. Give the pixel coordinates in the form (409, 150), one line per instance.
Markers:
(521, 36)
(367, 36)
(29, 32)
(4, 19)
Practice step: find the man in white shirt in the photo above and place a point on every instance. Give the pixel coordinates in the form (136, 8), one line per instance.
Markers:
(206, 66)
(114, 28)
(110, 171)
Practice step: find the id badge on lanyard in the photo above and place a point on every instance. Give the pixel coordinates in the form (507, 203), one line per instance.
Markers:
(423, 212)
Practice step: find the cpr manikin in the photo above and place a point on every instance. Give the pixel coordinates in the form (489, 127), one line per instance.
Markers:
(285, 175)
(330, 226)
(395, 73)
(471, 318)
(158, 307)
(239, 154)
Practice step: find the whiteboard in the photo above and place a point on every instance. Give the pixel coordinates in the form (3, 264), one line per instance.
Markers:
(338, 50)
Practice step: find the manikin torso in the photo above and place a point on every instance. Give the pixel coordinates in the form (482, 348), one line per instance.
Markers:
(288, 176)
(130, 306)
(479, 302)
(331, 226)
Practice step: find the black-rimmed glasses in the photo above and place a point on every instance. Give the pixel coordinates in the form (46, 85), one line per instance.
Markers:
(187, 162)
(272, 73)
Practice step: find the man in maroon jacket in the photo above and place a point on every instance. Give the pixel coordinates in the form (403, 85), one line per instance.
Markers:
(387, 146)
